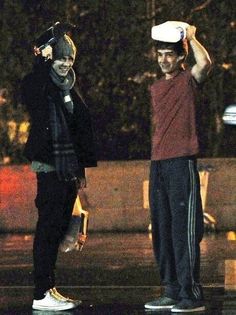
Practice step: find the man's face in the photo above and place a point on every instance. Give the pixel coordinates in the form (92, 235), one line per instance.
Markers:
(168, 60)
(63, 65)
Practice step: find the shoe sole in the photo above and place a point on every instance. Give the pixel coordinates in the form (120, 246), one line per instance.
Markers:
(59, 308)
(167, 307)
(197, 309)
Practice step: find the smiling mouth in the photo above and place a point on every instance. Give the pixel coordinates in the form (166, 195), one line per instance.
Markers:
(164, 65)
(64, 69)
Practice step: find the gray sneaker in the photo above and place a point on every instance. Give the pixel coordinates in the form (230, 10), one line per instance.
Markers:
(163, 302)
(188, 306)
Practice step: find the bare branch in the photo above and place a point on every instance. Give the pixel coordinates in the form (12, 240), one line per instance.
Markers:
(202, 6)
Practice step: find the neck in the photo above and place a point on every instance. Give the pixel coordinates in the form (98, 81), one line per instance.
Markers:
(171, 75)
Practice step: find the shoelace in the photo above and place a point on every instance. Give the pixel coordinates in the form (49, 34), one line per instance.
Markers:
(57, 295)
(60, 296)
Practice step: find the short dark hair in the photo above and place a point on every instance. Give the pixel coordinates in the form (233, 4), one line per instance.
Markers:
(180, 47)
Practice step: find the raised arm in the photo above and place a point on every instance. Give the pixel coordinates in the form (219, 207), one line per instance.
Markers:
(203, 61)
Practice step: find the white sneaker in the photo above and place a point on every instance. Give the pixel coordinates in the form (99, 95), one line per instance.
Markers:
(63, 298)
(52, 302)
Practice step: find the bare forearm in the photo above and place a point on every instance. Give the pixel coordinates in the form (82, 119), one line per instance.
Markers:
(202, 58)
(201, 55)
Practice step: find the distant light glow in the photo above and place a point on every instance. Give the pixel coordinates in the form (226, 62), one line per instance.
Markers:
(231, 236)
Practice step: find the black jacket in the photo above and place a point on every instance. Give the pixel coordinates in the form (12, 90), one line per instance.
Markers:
(35, 88)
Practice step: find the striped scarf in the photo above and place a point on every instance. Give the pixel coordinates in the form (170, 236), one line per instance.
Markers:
(66, 163)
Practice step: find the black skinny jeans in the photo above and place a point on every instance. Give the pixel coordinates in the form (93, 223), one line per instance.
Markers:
(177, 225)
(55, 200)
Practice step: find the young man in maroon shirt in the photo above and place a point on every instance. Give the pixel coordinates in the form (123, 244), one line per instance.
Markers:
(175, 202)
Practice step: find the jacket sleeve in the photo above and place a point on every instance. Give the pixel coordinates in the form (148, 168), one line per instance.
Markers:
(33, 85)
(33, 91)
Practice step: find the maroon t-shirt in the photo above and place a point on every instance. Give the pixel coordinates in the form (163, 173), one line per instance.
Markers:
(174, 124)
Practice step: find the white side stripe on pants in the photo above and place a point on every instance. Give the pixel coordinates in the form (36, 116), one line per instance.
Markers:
(191, 227)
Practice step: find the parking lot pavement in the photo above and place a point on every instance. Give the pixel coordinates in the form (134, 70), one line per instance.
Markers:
(114, 274)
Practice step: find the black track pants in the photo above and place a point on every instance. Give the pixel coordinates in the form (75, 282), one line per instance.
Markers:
(177, 225)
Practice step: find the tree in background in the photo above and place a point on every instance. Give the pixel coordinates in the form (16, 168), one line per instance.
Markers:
(115, 71)
(116, 65)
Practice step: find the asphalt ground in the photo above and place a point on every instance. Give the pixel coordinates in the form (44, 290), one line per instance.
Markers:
(114, 274)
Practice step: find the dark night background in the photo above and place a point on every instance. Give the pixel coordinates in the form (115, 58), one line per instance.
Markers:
(115, 66)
